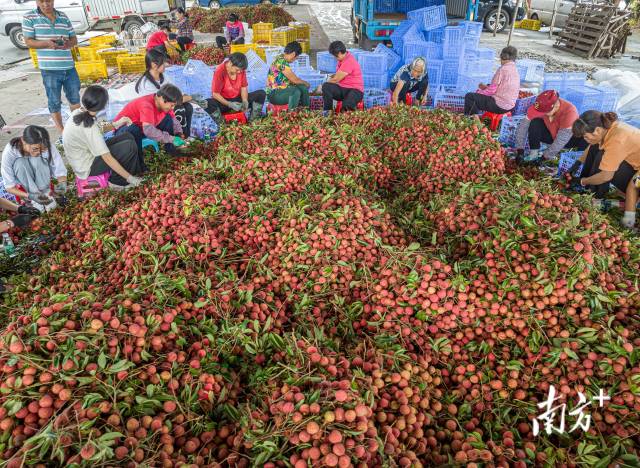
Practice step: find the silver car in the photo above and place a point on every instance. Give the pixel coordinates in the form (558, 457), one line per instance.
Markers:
(543, 10)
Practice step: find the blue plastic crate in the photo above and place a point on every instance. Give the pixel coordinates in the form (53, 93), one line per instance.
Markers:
(429, 18)
(552, 80)
(405, 6)
(427, 50)
(370, 62)
(566, 161)
(376, 80)
(468, 83)
(508, 129)
(471, 42)
(376, 98)
(633, 122)
(398, 34)
(393, 59)
(453, 41)
(436, 35)
(584, 98)
(609, 98)
(450, 69)
(202, 124)
(301, 63)
(175, 75)
(434, 70)
(4, 194)
(479, 53)
(574, 79)
(523, 104)
(256, 81)
(314, 79)
(476, 66)
(472, 28)
(531, 71)
(385, 6)
(449, 99)
(326, 62)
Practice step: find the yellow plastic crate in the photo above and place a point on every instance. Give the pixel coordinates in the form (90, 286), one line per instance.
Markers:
(34, 57)
(110, 56)
(303, 30)
(533, 25)
(88, 53)
(243, 48)
(103, 42)
(131, 63)
(283, 36)
(517, 24)
(92, 69)
(262, 32)
(305, 44)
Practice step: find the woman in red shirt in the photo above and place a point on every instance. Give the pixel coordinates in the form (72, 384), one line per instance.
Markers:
(230, 90)
(160, 39)
(233, 32)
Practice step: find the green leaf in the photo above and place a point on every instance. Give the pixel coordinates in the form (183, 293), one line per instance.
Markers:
(413, 246)
(102, 361)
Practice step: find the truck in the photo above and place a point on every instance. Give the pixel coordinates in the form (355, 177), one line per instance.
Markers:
(373, 21)
(89, 15)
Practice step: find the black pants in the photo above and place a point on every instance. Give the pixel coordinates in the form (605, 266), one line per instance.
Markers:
(621, 177)
(124, 149)
(257, 96)
(184, 113)
(166, 126)
(162, 48)
(420, 87)
(334, 92)
(539, 133)
(474, 103)
(182, 41)
(221, 41)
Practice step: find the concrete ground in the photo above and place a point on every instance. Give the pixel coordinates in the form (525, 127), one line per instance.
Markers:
(21, 89)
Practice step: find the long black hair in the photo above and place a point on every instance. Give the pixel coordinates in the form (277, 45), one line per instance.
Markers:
(182, 12)
(592, 119)
(34, 135)
(153, 56)
(94, 99)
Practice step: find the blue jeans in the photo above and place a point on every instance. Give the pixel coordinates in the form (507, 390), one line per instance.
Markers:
(54, 81)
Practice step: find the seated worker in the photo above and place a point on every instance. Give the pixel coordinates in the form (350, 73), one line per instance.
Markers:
(283, 85)
(410, 78)
(89, 154)
(346, 84)
(500, 96)
(160, 39)
(151, 81)
(548, 120)
(152, 117)
(184, 33)
(613, 157)
(233, 32)
(230, 92)
(29, 163)
(23, 215)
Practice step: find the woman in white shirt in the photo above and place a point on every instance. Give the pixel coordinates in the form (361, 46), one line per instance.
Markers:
(29, 163)
(90, 155)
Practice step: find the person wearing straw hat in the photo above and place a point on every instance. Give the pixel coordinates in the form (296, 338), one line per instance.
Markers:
(411, 78)
(283, 85)
(549, 120)
(612, 158)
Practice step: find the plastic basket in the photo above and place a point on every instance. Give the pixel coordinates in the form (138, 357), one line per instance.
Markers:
(326, 62)
(523, 104)
(314, 79)
(436, 35)
(609, 98)
(202, 124)
(428, 50)
(376, 80)
(256, 81)
(468, 83)
(131, 63)
(472, 28)
(255, 63)
(393, 59)
(376, 98)
(305, 45)
(398, 34)
(553, 80)
(434, 71)
(302, 30)
(371, 62)
(316, 103)
(573, 79)
(301, 62)
(92, 69)
(429, 18)
(88, 53)
(110, 56)
(508, 129)
(449, 99)
(103, 41)
(532, 25)
(384, 6)
(469, 66)
(449, 75)
(4, 194)
(471, 42)
(453, 45)
(567, 159)
(531, 71)
(584, 98)
(262, 32)
(34, 57)
(282, 36)
(271, 53)
(242, 48)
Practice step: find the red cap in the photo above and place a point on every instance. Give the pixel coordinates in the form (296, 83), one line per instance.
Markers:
(543, 105)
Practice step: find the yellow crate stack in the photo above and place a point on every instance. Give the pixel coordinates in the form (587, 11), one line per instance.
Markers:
(110, 56)
(91, 69)
(244, 48)
(532, 25)
(262, 32)
(102, 42)
(282, 36)
(306, 45)
(88, 53)
(133, 63)
(303, 30)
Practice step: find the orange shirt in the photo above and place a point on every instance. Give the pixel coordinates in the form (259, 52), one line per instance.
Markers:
(621, 143)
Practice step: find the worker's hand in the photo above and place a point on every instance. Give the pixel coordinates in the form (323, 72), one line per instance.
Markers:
(121, 122)
(245, 105)
(52, 44)
(482, 86)
(178, 141)
(574, 168)
(28, 210)
(235, 106)
(39, 197)
(21, 220)
(61, 188)
(134, 181)
(318, 90)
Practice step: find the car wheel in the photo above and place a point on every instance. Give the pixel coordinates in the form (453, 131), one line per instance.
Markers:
(214, 4)
(292, 2)
(132, 27)
(535, 17)
(492, 17)
(17, 37)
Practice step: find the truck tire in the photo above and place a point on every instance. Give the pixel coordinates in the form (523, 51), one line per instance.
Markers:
(214, 4)
(132, 25)
(17, 38)
(292, 2)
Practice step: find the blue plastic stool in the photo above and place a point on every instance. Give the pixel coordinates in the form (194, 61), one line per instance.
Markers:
(149, 142)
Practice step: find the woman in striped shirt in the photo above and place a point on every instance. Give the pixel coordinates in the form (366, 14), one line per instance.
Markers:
(184, 30)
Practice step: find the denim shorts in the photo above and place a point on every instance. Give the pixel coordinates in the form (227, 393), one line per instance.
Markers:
(57, 80)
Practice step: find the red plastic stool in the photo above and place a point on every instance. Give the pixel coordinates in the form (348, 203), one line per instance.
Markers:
(494, 119)
(239, 117)
(276, 109)
(88, 186)
(360, 106)
(409, 99)
(189, 46)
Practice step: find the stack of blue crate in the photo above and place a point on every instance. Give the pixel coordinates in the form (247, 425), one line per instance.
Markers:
(375, 69)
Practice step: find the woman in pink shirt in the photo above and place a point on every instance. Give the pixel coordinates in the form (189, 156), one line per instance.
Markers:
(500, 96)
(346, 84)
